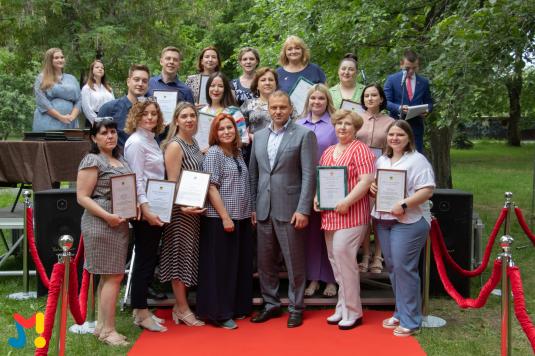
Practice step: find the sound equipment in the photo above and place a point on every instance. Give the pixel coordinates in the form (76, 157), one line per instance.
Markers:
(453, 210)
(56, 213)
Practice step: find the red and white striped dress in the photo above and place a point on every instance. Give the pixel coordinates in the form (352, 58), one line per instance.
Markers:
(359, 160)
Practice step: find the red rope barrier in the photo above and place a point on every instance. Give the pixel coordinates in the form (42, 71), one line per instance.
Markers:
(524, 225)
(78, 304)
(80, 251)
(435, 227)
(448, 286)
(33, 250)
(520, 304)
(51, 304)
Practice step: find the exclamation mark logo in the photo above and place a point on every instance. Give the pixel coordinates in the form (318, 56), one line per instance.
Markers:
(39, 341)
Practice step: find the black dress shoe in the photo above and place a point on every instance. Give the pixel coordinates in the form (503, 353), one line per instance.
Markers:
(351, 326)
(295, 319)
(153, 294)
(266, 314)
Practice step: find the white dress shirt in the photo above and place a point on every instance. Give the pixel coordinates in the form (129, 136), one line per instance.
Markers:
(93, 99)
(145, 158)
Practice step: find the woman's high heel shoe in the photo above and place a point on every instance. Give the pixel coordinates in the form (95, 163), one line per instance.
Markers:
(149, 324)
(187, 318)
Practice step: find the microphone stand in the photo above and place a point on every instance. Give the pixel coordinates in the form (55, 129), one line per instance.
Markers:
(402, 115)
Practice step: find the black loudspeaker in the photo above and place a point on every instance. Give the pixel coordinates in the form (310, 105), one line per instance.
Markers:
(56, 213)
(453, 210)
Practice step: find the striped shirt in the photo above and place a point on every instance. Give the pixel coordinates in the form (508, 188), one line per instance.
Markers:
(359, 160)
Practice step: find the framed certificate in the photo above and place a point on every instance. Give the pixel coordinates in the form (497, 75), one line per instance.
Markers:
(161, 194)
(298, 94)
(167, 101)
(391, 188)
(416, 111)
(124, 195)
(192, 188)
(352, 106)
(203, 129)
(332, 186)
(202, 90)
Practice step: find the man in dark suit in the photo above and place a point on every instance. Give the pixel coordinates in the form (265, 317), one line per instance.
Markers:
(282, 170)
(406, 88)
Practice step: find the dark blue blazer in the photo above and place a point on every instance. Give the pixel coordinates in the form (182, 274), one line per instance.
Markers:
(394, 89)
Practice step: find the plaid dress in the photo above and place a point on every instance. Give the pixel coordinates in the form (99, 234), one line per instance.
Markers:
(105, 247)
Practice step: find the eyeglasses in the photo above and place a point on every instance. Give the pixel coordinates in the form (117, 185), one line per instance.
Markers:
(105, 118)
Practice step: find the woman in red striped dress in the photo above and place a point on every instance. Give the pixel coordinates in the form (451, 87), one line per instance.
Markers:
(346, 225)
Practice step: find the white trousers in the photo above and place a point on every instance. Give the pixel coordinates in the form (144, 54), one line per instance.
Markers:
(342, 248)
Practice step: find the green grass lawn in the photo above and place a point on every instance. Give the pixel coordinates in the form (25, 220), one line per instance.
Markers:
(488, 170)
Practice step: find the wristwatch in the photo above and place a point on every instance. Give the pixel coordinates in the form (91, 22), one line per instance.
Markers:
(404, 206)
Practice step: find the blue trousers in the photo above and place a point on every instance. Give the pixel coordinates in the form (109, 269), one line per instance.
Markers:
(402, 245)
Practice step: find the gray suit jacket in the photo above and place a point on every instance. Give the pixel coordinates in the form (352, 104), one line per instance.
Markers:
(288, 187)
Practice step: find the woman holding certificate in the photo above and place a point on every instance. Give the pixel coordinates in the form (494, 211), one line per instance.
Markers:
(180, 243)
(295, 63)
(317, 117)
(57, 95)
(248, 58)
(145, 120)
(209, 61)
(373, 134)
(226, 250)
(348, 88)
(346, 224)
(403, 224)
(105, 233)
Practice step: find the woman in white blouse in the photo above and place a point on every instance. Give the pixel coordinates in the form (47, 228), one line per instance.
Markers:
(144, 122)
(96, 92)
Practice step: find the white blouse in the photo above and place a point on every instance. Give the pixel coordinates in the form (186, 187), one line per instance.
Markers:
(419, 175)
(145, 158)
(93, 99)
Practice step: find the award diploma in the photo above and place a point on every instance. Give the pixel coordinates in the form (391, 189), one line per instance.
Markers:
(203, 130)
(298, 94)
(332, 186)
(124, 196)
(351, 106)
(160, 194)
(202, 90)
(166, 99)
(192, 188)
(391, 187)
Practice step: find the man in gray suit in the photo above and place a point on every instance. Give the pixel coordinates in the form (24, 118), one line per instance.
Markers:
(282, 170)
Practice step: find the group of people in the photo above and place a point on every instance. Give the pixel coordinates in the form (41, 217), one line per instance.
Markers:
(266, 187)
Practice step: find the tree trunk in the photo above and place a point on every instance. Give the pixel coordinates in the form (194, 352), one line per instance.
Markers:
(440, 154)
(514, 90)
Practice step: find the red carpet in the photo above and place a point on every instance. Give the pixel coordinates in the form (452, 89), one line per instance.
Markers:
(314, 337)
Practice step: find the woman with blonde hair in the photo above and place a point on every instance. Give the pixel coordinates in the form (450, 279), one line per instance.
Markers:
(317, 117)
(57, 95)
(294, 59)
(144, 122)
(180, 243)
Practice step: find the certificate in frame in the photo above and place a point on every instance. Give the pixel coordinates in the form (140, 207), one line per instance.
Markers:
(167, 101)
(203, 129)
(352, 106)
(124, 195)
(161, 194)
(391, 189)
(192, 188)
(202, 90)
(298, 94)
(332, 186)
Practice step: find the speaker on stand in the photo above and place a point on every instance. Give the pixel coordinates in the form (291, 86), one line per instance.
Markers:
(56, 213)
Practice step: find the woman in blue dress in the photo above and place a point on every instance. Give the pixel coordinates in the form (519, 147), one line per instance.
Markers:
(57, 95)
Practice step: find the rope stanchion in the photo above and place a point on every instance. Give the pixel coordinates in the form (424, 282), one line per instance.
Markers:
(520, 305)
(450, 289)
(524, 225)
(51, 305)
(488, 249)
(78, 304)
(33, 249)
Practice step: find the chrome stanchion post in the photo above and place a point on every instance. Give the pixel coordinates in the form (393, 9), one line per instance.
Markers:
(25, 294)
(429, 321)
(65, 242)
(505, 242)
